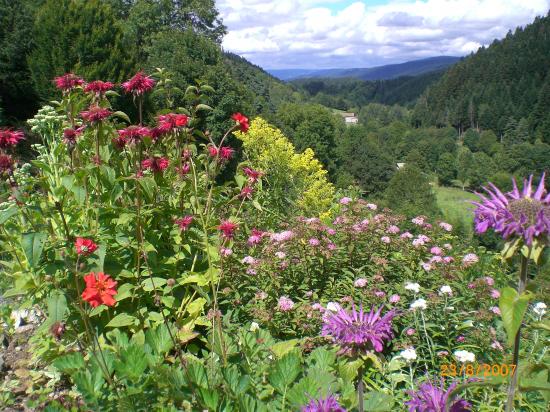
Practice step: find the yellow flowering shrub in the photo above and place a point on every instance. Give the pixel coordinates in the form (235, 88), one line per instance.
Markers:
(295, 181)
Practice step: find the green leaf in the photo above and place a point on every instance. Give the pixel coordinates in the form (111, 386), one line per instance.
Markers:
(7, 213)
(159, 340)
(69, 364)
(122, 319)
(151, 284)
(57, 307)
(541, 325)
(33, 244)
(195, 307)
(122, 116)
(378, 402)
(203, 107)
(200, 280)
(510, 248)
(513, 308)
(285, 372)
(132, 363)
(280, 349)
(124, 291)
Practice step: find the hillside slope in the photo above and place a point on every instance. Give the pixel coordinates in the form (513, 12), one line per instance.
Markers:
(390, 71)
(503, 83)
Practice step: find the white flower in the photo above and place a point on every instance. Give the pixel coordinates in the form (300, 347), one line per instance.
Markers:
(540, 309)
(249, 260)
(419, 304)
(415, 287)
(408, 354)
(445, 290)
(254, 326)
(333, 306)
(465, 356)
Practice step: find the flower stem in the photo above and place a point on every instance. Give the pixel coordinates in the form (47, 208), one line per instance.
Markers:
(360, 391)
(514, 380)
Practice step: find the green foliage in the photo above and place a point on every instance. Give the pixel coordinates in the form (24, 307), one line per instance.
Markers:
(410, 193)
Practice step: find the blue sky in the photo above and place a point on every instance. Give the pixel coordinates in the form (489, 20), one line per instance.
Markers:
(365, 33)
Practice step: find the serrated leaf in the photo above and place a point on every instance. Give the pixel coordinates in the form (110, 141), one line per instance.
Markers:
(195, 307)
(70, 363)
(153, 283)
(284, 372)
(122, 319)
(57, 307)
(378, 402)
(280, 349)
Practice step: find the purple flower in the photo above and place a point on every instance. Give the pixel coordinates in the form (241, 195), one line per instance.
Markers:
(406, 235)
(393, 229)
(360, 283)
(436, 250)
(345, 200)
(282, 236)
(445, 226)
(358, 331)
(470, 259)
(314, 241)
(515, 214)
(285, 304)
(431, 398)
(385, 239)
(495, 294)
(328, 404)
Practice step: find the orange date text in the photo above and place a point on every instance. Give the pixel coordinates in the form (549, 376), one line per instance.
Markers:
(479, 369)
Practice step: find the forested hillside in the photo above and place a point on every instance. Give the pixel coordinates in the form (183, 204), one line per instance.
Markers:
(502, 85)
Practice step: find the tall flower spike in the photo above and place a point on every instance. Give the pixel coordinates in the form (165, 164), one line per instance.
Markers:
(359, 331)
(523, 214)
(431, 398)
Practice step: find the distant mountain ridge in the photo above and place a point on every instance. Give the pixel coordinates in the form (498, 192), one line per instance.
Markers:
(389, 71)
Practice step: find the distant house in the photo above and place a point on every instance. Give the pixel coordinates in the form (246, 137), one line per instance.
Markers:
(350, 118)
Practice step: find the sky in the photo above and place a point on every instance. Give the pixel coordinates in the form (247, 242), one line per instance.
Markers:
(320, 34)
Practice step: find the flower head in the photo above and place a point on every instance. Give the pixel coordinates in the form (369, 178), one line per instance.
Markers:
(419, 304)
(385, 239)
(139, 84)
(68, 82)
(155, 164)
(446, 226)
(226, 153)
(346, 200)
(70, 135)
(395, 298)
(540, 309)
(184, 222)
(431, 398)
(446, 290)
(408, 354)
(100, 289)
(85, 246)
(414, 287)
(522, 214)
(358, 331)
(470, 259)
(465, 356)
(242, 121)
(9, 137)
(285, 304)
(171, 121)
(328, 404)
(98, 87)
(246, 192)
(253, 175)
(360, 283)
(95, 114)
(228, 229)
(134, 134)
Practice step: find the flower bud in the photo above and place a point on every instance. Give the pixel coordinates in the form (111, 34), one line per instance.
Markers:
(171, 282)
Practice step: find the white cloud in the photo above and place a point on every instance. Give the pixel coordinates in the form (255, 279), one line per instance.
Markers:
(309, 34)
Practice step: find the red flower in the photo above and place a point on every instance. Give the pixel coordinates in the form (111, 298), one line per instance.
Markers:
(253, 175)
(98, 87)
(6, 163)
(119, 142)
(85, 246)
(9, 137)
(171, 121)
(242, 121)
(95, 114)
(138, 84)
(70, 135)
(228, 229)
(100, 289)
(226, 153)
(246, 192)
(68, 82)
(134, 134)
(156, 133)
(155, 164)
(212, 151)
(184, 222)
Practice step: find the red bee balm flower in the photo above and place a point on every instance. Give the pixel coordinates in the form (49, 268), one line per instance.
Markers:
(95, 114)
(68, 82)
(134, 134)
(155, 164)
(228, 229)
(98, 87)
(171, 121)
(10, 137)
(242, 121)
(253, 175)
(226, 153)
(184, 222)
(70, 135)
(85, 246)
(100, 289)
(138, 84)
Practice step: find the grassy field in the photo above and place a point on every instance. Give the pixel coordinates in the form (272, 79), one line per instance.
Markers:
(455, 206)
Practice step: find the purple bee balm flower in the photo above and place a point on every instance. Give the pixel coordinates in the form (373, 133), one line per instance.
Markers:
(524, 213)
(328, 404)
(359, 331)
(431, 398)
